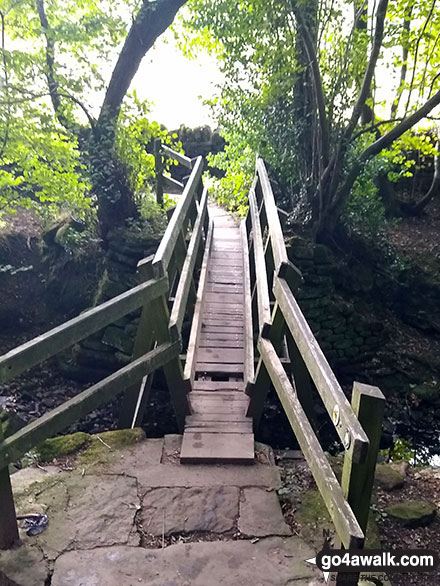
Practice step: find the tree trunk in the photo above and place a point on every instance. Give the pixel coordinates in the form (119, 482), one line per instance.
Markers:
(109, 177)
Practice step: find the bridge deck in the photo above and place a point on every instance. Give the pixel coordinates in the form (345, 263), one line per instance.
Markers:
(218, 429)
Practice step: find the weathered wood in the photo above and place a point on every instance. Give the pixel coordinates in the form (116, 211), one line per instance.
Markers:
(263, 305)
(179, 157)
(357, 479)
(216, 343)
(175, 225)
(158, 165)
(368, 404)
(171, 185)
(301, 377)
(218, 427)
(284, 268)
(178, 387)
(224, 355)
(15, 446)
(135, 398)
(258, 393)
(219, 367)
(186, 276)
(8, 520)
(54, 341)
(249, 372)
(196, 324)
(222, 329)
(347, 426)
(224, 320)
(233, 448)
(207, 385)
(345, 522)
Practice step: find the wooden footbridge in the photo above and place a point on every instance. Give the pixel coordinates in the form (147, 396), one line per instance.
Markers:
(235, 285)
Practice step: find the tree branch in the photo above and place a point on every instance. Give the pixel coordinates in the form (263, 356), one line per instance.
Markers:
(404, 68)
(369, 72)
(50, 57)
(151, 21)
(317, 82)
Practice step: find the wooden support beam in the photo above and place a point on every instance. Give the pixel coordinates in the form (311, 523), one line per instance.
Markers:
(339, 409)
(15, 446)
(345, 522)
(158, 166)
(171, 185)
(368, 404)
(258, 393)
(8, 519)
(54, 341)
(301, 377)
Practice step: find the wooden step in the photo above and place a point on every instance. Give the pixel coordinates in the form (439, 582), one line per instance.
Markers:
(217, 448)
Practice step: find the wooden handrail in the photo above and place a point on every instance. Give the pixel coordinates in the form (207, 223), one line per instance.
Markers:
(264, 317)
(166, 247)
(347, 425)
(15, 446)
(179, 157)
(342, 516)
(179, 305)
(61, 337)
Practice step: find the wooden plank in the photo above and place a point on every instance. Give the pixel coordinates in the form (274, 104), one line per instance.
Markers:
(204, 385)
(225, 288)
(263, 305)
(208, 329)
(215, 448)
(249, 372)
(216, 308)
(223, 320)
(172, 186)
(221, 396)
(203, 343)
(15, 446)
(219, 368)
(224, 355)
(217, 417)
(54, 341)
(347, 427)
(345, 522)
(196, 323)
(219, 427)
(283, 267)
(179, 157)
(175, 225)
(225, 298)
(186, 277)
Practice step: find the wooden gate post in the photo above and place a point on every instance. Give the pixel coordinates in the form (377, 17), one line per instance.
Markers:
(8, 518)
(368, 403)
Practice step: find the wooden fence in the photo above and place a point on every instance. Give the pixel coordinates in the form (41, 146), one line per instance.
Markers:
(166, 295)
(274, 319)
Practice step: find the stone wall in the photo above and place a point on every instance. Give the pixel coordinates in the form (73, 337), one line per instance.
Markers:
(344, 330)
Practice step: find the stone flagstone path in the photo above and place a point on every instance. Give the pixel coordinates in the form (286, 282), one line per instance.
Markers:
(124, 515)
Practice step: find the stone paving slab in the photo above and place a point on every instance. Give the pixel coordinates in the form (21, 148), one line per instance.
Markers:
(29, 568)
(260, 514)
(188, 475)
(184, 510)
(269, 562)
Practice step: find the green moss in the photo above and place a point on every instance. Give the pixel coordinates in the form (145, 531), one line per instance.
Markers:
(60, 446)
(427, 391)
(412, 513)
(372, 537)
(97, 451)
(313, 509)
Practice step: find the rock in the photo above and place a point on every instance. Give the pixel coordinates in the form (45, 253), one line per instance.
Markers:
(185, 510)
(391, 476)
(260, 514)
(24, 566)
(412, 513)
(10, 422)
(269, 562)
(63, 445)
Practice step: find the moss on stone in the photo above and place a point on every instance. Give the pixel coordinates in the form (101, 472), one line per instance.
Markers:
(313, 509)
(412, 513)
(391, 476)
(60, 446)
(98, 452)
(427, 391)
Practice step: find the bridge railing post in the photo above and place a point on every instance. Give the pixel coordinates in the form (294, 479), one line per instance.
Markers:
(158, 167)
(8, 518)
(368, 403)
